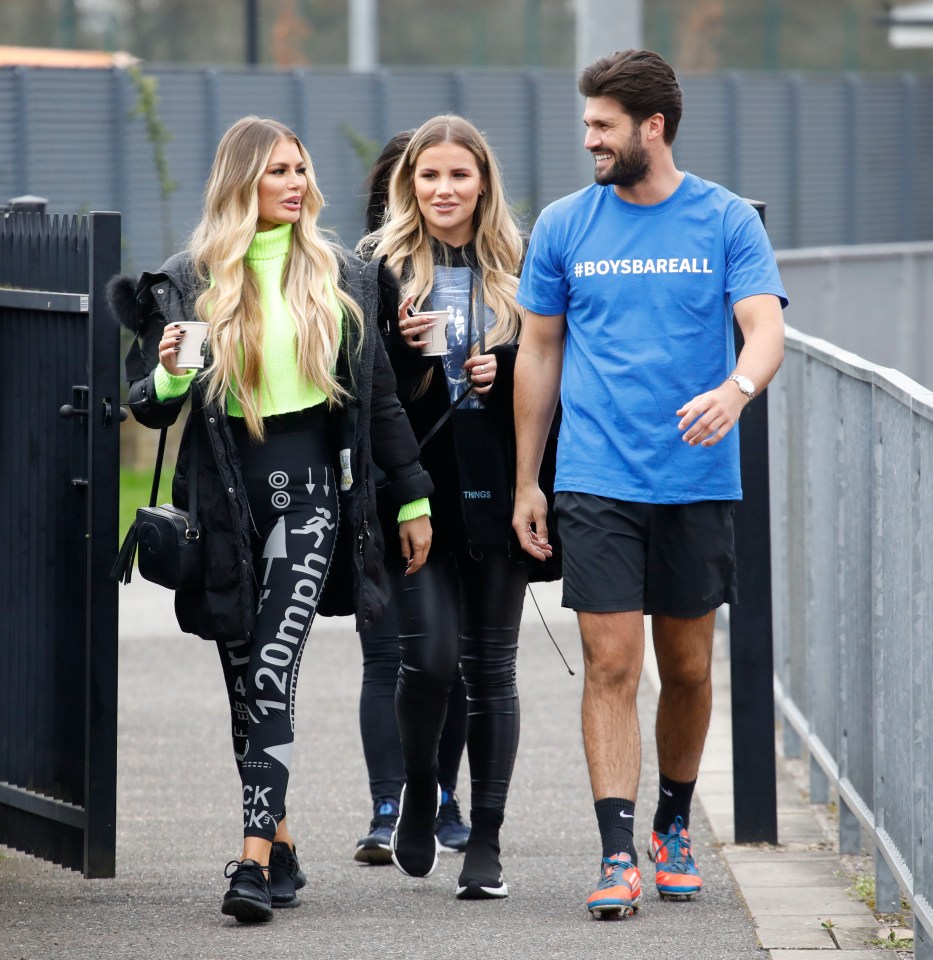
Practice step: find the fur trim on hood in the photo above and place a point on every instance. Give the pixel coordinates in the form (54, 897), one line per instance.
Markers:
(121, 295)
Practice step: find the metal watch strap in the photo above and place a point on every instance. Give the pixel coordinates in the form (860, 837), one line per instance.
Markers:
(738, 379)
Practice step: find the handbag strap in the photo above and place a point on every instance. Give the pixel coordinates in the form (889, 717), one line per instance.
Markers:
(476, 297)
(445, 416)
(192, 533)
(158, 467)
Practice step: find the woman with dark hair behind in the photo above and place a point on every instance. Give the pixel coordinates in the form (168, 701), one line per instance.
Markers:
(378, 180)
(382, 748)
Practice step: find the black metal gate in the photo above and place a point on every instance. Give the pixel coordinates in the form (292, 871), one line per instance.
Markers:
(59, 463)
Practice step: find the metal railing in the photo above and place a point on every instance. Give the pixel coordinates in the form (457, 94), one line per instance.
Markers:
(873, 299)
(851, 454)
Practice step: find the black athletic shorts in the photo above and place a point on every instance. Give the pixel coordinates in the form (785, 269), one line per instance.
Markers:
(676, 560)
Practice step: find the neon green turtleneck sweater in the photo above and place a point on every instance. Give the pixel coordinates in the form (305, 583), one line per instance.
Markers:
(284, 389)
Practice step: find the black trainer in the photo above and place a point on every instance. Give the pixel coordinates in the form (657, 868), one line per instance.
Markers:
(285, 875)
(481, 876)
(414, 845)
(249, 898)
(374, 848)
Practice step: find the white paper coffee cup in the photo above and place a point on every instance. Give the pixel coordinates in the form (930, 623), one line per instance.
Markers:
(436, 336)
(193, 345)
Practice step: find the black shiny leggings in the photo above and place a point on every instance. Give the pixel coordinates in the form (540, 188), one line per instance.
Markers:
(462, 610)
(382, 747)
(293, 502)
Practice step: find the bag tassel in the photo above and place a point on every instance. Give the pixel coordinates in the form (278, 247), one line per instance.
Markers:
(126, 558)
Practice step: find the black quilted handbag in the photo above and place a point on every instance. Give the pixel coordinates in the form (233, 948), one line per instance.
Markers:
(166, 539)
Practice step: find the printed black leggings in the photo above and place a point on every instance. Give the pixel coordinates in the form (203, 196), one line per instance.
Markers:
(469, 610)
(292, 498)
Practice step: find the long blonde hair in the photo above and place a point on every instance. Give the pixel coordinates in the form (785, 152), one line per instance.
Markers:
(405, 240)
(231, 301)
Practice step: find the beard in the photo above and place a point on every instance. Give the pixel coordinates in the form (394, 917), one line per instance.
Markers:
(629, 168)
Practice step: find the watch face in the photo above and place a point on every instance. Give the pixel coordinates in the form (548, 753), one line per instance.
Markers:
(744, 384)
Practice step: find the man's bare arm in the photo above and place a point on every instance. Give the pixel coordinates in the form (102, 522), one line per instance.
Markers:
(537, 386)
(707, 418)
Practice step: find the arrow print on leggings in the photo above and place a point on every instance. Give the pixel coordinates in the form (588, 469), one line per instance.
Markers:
(311, 485)
(275, 549)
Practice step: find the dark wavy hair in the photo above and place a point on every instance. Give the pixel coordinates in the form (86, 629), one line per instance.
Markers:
(641, 82)
(378, 180)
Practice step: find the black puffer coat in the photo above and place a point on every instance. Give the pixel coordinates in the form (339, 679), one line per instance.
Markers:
(371, 425)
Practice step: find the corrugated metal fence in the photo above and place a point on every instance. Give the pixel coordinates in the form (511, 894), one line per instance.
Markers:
(831, 154)
(852, 544)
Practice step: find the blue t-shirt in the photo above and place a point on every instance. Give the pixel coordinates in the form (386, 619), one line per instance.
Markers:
(647, 292)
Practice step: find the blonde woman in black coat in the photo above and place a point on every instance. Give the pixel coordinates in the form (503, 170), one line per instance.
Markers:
(296, 399)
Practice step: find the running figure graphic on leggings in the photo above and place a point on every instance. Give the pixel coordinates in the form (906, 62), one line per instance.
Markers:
(318, 526)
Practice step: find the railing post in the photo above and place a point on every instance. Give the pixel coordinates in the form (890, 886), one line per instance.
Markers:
(754, 776)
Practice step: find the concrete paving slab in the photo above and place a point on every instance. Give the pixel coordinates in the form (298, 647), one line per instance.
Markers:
(866, 954)
(793, 933)
(768, 872)
(819, 901)
(753, 853)
(852, 933)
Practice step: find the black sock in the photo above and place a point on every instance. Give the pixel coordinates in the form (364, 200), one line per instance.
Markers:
(673, 801)
(481, 861)
(616, 819)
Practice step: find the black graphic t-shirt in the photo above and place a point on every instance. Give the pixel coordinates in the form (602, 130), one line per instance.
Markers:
(452, 291)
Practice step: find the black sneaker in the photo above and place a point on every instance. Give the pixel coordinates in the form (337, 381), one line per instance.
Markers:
(374, 848)
(481, 876)
(414, 846)
(285, 875)
(249, 898)
(451, 832)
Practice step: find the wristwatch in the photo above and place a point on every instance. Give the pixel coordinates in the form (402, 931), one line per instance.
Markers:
(744, 384)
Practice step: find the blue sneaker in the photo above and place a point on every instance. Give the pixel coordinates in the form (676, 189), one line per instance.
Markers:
(374, 848)
(676, 873)
(618, 891)
(451, 832)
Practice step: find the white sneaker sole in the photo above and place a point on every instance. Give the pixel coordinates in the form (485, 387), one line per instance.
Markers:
(475, 891)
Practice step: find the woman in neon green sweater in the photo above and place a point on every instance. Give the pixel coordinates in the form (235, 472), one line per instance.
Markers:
(296, 398)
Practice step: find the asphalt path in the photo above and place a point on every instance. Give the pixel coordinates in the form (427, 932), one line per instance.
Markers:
(178, 815)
